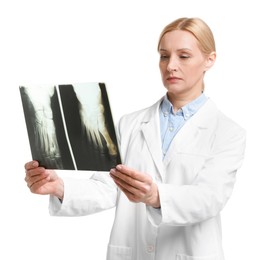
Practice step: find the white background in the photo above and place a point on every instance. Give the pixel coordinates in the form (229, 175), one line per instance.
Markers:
(47, 42)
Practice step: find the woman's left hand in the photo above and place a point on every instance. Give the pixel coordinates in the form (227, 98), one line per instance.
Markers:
(137, 186)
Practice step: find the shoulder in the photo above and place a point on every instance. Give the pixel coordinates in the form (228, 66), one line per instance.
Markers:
(229, 124)
(224, 128)
(214, 116)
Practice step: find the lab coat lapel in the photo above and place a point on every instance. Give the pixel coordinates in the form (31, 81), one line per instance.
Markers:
(151, 133)
(191, 130)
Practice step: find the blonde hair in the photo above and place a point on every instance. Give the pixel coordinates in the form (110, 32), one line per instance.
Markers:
(198, 28)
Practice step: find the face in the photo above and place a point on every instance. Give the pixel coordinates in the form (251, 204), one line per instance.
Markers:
(182, 65)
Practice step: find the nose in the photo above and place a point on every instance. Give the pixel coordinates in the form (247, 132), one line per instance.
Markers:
(172, 65)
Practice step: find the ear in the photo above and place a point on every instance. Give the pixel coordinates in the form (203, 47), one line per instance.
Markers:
(210, 60)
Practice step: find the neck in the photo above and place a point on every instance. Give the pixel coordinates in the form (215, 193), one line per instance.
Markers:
(180, 101)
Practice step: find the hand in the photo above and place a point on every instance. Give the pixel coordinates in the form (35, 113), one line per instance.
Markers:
(137, 186)
(42, 181)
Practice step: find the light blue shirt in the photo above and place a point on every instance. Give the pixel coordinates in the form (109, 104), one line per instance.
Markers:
(171, 122)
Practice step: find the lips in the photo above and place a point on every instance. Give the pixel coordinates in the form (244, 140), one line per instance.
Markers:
(173, 79)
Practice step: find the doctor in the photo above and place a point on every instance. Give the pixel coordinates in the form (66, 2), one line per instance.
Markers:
(180, 158)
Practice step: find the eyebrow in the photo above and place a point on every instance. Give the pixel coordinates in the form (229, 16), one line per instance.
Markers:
(181, 49)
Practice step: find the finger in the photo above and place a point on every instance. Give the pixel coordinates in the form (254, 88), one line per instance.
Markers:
(125, 178)
(38, 186)
(132, 197)
(144, 185)
(142, 177)
(31, 165)
(126, 186)
(32, 180)
(36, 173)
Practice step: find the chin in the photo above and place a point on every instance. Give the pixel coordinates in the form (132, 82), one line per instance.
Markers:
(175, 89)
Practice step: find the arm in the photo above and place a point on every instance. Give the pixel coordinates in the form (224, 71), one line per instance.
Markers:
(78, 197)
(84, 196)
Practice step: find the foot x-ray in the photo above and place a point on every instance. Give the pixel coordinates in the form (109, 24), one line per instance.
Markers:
(70, 127)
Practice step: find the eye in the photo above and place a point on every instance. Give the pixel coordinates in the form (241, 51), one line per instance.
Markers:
(184, 56)
(164, 57)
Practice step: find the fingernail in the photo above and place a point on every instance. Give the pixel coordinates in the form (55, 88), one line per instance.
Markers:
(119, 167)
(35, 164)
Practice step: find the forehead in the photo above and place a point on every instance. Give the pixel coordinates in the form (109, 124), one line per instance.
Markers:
(178, 39)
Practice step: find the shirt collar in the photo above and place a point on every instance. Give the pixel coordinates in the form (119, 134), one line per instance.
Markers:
(186, 111)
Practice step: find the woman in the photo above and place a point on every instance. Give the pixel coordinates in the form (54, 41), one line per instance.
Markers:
(180, 158)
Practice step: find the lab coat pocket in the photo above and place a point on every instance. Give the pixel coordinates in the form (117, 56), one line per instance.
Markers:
(187, 257)
(119, 252)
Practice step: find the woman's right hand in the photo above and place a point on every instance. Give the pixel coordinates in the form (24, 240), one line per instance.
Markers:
(42, 181)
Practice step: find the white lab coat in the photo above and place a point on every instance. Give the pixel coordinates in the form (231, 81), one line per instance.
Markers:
(195, 180)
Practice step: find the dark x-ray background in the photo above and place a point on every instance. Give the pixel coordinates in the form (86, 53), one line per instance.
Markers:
(85, 142)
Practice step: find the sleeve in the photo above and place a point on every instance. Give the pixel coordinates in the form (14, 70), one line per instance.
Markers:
(205, 197)
(85, 196)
